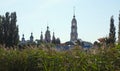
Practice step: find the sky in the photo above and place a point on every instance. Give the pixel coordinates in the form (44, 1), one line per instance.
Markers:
(93, 17)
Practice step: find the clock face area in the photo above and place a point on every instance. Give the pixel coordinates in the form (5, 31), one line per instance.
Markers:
(73, 24)
(73, 30)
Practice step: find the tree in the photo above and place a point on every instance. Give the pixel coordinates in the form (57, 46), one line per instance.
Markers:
(119, 30)
(1, 31)
(14, 30)
(9, 30)
(112, 32)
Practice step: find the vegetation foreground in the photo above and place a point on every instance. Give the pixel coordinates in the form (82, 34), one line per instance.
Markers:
(47, 59)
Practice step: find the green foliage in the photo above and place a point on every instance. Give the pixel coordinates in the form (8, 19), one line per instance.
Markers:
(112, 33)
(9, 30)
(41, 59)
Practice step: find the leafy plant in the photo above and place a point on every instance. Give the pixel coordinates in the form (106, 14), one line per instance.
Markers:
(47, 59)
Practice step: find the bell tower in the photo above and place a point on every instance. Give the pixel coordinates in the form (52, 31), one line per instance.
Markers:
(74, 34)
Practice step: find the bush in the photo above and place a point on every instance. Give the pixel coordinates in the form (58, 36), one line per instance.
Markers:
(37, 59)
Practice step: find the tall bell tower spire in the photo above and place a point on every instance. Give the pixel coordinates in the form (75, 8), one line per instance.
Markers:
(73, 11)
(74, 34)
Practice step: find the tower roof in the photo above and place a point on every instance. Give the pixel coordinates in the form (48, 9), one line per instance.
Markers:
(47, 27)
(31, 37)
(53, 38)
(47, 35)
(23, 35)
(41, 34)
(41, 37)
(23, 39)
(74, 19)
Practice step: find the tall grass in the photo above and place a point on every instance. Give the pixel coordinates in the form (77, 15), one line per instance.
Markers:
(47, 59)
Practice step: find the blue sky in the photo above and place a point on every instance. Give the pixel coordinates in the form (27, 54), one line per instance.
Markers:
(93, 17)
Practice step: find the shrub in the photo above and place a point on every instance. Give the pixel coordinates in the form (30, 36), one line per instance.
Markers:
(37, 59)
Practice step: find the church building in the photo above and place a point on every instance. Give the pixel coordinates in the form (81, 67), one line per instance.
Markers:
(73, 34)
(47, 36)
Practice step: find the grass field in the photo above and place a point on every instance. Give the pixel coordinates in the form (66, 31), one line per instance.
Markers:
(47, 59)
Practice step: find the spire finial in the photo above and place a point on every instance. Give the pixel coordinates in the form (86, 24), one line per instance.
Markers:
(47, 26)
(74, 11)
(119, 11)
(41, 32)
(23, 35)
(112, 17)
(31, 33)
